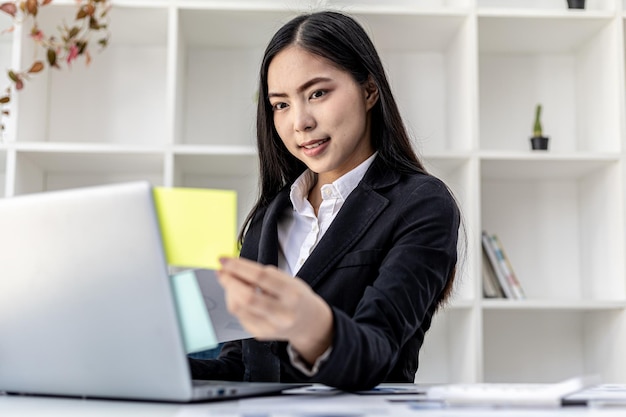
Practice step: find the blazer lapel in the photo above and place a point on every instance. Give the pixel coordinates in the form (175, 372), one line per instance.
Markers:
(359, 211)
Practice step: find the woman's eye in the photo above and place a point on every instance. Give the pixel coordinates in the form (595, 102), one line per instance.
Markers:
(318, 94)
(279, 106)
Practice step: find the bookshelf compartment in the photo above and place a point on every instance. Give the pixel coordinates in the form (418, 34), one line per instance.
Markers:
(38, 171)
(119, 98)
(221, 109)
(570, 66)
(563, 235)
(449, 351)
(427, 63)
(538, 346)
(220, 171)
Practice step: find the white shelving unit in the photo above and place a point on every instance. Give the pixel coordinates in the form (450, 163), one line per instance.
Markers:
(172, 101)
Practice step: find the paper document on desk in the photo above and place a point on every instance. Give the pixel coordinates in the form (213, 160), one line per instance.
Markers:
(198, 225)
(226, 326)
(202, 312)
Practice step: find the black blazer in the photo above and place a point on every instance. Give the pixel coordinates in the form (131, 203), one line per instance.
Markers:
(381, 266)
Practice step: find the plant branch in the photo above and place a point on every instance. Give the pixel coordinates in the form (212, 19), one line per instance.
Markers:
(61, 48)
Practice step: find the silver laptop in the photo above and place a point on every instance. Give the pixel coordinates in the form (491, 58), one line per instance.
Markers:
(86, 307)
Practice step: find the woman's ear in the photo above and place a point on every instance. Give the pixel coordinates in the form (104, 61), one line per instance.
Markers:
(371, 92)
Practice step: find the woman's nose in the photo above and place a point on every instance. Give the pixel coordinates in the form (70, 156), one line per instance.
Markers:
(304, 120)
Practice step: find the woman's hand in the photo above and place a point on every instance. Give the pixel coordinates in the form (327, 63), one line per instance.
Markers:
(273, 305)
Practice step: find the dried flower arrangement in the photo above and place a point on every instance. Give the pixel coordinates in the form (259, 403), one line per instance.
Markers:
(71, 41)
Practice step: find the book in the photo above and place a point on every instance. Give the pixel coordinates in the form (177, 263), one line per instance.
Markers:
(491, 286)
(497, 266)
(508, 268)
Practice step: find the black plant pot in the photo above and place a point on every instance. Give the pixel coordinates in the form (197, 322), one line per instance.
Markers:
(539, 143)
(576, 4)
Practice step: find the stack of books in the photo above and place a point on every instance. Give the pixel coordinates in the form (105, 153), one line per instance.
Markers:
(499, 279)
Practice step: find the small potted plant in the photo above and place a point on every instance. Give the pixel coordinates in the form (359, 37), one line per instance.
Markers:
(538, 141)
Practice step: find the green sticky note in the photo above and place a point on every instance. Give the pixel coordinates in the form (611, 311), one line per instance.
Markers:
(198, 225)
(195, 322)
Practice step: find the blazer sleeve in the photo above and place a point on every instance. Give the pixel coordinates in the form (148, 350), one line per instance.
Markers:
(404, 295)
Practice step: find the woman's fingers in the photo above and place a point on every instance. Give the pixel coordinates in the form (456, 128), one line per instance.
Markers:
(262, 313)
(266, 278)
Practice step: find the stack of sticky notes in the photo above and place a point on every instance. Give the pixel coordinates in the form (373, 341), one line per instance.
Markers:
(198, 225)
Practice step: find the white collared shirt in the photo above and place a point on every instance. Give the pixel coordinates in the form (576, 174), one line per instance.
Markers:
(299, 230)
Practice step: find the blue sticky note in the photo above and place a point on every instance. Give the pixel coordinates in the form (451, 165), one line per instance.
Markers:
(198, 332)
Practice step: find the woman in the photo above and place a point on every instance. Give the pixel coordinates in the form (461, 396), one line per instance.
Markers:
(351, 245)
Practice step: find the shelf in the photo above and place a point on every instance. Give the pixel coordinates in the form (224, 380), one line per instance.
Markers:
(38, 171)
(560, 14)
(552, 305)
(530, 346)
(543, 165)
(544, 6)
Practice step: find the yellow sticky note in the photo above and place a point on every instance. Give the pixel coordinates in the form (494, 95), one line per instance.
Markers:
(198, 225)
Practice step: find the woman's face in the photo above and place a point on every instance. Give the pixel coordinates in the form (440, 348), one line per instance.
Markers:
(320, 112)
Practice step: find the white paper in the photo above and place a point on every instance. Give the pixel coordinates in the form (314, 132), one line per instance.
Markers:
(225, 325)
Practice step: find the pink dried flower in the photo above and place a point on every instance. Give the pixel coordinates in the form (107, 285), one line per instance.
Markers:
(37, 35)
(72, 54)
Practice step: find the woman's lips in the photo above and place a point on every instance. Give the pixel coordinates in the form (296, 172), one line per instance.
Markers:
(314, 147)
(314, 143)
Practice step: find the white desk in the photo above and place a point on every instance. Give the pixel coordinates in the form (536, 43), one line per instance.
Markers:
(341, 405)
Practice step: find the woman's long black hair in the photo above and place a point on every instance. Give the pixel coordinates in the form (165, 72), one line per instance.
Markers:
(341, 40)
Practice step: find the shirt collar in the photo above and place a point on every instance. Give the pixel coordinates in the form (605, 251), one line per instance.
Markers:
(344, 185)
